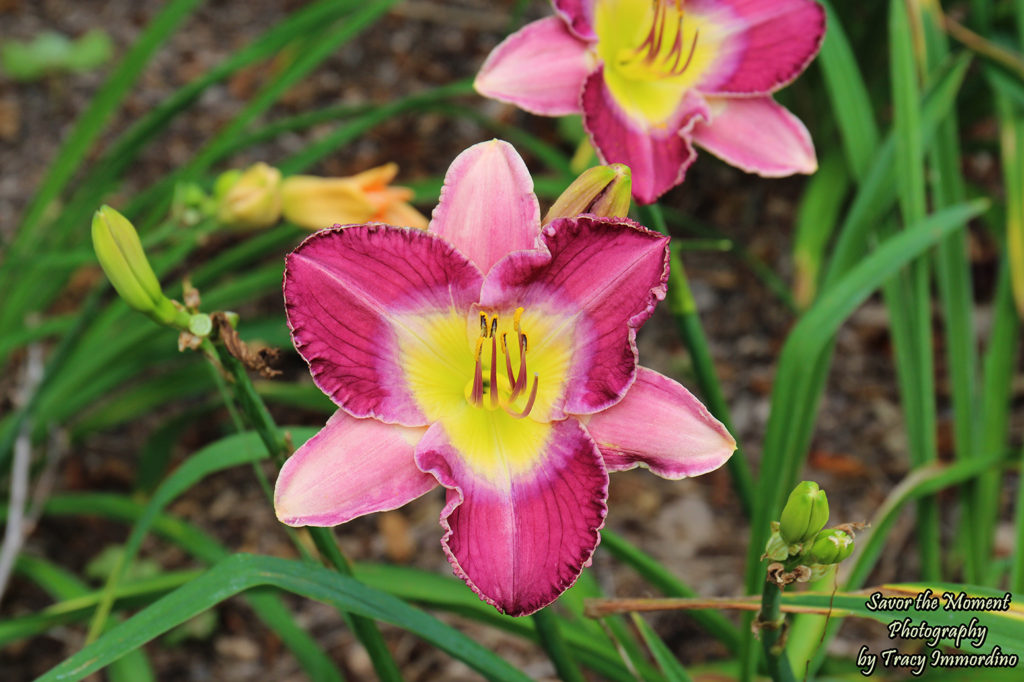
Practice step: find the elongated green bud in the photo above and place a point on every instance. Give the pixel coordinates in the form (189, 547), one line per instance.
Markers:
(830, 547)
(121, 256)
(601, 190)
(805, 513)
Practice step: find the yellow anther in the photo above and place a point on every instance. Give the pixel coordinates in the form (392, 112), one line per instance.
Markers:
(479, 347)
(494, 325)
(516, 318)
(483, 325)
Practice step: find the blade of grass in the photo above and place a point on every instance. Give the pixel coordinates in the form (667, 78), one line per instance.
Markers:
(800, 381)
(77, 606)
(430, 589)
(657, 575)
(797, 376)
(241, 572)
(849, 96)
(908, 295)
(955, 290)
(816, 218)
(669, 664)
(611, 630)
(550, 637)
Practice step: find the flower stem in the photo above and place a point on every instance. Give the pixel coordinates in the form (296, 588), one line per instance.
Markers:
(684, 310)
(551, 639)
(256, 412)
(772, 622)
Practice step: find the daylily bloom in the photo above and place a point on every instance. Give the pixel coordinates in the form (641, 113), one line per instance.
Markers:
(654, 77)
(497, 359)
(313, 202)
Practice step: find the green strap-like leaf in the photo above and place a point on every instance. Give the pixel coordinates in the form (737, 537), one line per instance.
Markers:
(242, 572)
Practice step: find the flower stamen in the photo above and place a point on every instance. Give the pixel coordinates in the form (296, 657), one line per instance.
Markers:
(517, 382)
(508, 360)
(520, 382)
(494, 366)
(649, 53)
(478, 376)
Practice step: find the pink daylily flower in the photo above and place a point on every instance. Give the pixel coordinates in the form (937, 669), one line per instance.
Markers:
(497, 359)
(654, 77)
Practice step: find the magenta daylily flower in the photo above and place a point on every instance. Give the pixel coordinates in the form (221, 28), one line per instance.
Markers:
(653, 77)
(493, 358)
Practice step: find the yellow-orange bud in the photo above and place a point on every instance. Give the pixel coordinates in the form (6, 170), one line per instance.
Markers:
(250, 200)
(314, 203)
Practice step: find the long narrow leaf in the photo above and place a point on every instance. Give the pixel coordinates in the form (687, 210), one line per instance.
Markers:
(242, 572)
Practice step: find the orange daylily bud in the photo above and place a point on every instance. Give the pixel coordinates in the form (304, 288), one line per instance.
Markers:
(314, 202)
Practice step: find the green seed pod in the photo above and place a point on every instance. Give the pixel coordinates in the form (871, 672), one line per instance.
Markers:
(805, 513)
(830, 547)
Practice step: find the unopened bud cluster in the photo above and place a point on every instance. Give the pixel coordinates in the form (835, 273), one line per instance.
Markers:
(800, 540)
(260, 197)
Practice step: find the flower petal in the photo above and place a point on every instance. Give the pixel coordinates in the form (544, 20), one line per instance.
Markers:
(520, 540)
(656, 153)
(758, 135)
(662, 426)
(764, 44)
(539, 68)
(350, 468)
(487, 206)
(314, 203)
(602, 277)
(579, 15)
(353, 295)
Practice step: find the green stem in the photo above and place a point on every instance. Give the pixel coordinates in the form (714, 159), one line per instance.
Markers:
(551, 639)
(259, 417)
(772, 623)
(687, 319)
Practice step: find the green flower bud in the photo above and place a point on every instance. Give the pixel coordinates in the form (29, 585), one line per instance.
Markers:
(829, 547)
(805, 513)
(601, 190)
(120, 253)
(250, 200)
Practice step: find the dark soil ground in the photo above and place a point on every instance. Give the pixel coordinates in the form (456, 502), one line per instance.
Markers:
(695, 527)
